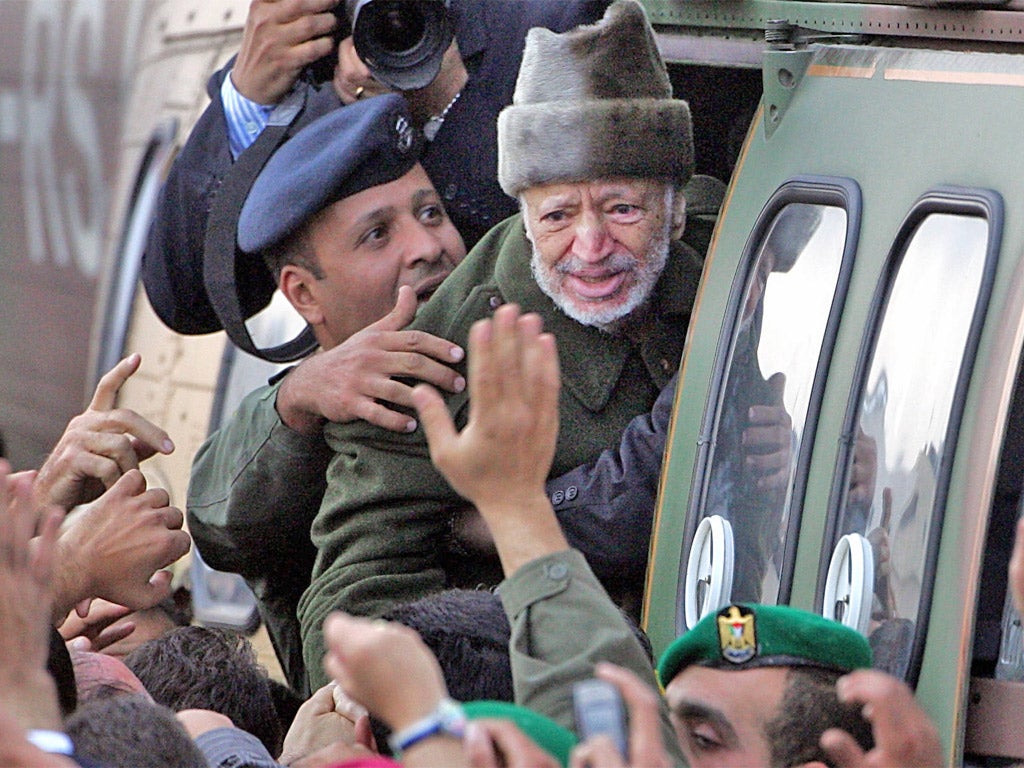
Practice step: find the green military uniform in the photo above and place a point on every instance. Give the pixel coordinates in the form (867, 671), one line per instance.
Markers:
(562, 624)
(382, 527)
(254, 488)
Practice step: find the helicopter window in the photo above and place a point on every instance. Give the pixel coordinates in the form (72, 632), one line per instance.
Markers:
(123, 279)
(766, 406)
(901, 429)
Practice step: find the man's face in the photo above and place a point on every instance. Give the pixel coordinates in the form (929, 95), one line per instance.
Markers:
(600, 246)
(720, 715)
(370, 244)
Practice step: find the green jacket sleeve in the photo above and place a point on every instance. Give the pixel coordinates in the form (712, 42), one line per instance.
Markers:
(380, 531)
(255, 488)
(563, 623)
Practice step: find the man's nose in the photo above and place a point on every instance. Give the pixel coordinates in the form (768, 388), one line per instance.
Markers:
(424, 246)
(592, 241)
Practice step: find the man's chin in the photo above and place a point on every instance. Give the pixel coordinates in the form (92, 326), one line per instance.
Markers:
(604, 315)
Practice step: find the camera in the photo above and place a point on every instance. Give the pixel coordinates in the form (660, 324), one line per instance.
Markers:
(402, 42)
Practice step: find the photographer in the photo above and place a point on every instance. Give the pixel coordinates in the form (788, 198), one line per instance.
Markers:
(284, 45)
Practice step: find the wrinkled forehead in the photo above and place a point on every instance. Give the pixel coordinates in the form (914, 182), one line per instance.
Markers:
(646, 191)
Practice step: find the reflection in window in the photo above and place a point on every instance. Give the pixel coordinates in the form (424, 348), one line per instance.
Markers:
(768, 381)
(905, 410)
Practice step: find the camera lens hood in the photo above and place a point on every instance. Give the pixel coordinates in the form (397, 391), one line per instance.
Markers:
(402, 42)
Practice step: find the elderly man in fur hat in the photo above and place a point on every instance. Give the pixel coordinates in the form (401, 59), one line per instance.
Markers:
(598, 152)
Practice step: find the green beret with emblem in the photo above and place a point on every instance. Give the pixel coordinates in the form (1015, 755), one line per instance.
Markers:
(750, 636)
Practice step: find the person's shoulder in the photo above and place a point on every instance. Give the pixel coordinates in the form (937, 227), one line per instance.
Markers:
(521, 15)
(556, 15)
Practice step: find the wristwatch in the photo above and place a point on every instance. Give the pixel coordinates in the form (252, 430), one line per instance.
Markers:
(447, 719)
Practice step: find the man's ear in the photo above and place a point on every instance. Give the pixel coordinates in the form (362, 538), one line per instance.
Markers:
(296, 284)
(678, 215)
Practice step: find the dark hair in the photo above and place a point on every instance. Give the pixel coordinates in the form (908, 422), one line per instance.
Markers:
(58, 664)
(204, 668)
(809, 708)
(297, 249)
(131, 730)
(468, 632)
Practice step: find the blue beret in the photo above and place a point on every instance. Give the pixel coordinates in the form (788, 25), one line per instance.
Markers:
(363, 145)
(752, 636)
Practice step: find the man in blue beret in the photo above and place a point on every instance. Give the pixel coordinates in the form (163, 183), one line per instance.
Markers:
(356, 236)
(749, 685)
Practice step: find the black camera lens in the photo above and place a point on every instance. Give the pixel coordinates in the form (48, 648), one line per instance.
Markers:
(401, 41)
(401, 29)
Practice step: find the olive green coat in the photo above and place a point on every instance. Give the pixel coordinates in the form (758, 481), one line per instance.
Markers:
(382, 529)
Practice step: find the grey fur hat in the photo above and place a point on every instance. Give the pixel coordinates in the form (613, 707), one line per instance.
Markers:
(594, 102)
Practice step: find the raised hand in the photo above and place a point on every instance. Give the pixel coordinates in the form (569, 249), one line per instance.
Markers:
(768, 440)
(384, 666)
(646, 747)
(502, 457)
(99, 628)
(903, 733)
(27, 692)
(117, 547)
(99, 445)
(281, 37)
(328, 716)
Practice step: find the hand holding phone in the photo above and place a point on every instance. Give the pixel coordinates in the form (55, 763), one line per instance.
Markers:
(599, 709)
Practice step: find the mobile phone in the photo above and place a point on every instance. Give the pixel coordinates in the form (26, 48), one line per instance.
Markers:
(599, 709)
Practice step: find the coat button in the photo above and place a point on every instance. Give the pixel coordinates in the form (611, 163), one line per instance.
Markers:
(495, 302)
(571, 492)
(557, 498)
(557, 571)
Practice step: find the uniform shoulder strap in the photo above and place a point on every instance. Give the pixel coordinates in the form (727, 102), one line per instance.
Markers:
(226, 268)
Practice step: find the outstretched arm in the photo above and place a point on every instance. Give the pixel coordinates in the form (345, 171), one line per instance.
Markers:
(562, 621)
(27, 692)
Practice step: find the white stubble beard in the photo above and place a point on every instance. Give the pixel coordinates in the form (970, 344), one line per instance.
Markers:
(607, 319)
